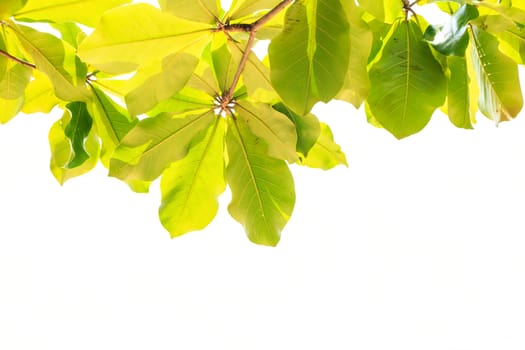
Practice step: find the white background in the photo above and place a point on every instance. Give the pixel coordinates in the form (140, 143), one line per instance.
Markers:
(419, 244)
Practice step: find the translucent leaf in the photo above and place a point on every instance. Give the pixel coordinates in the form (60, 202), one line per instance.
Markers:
(308, 128)
(206, 11)
(242, 8)
(325, 154)
(131, 36)
(263, 193)
(74, 144)
(9, 7)
(56, 59)
(14, 81)
(154, 143)
(39, 95)
(70, 33)
(154, 84)
(309, 59)
(10, 108)
(87, 12)
(386, 11)
(273, 127)
(407, 83)
(224, 67)
(190, 187)
(500, 96)
(458, 106)
(112, 122)
(451, 38)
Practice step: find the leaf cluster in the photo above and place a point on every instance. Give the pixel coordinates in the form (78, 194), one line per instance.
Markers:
(177, 92)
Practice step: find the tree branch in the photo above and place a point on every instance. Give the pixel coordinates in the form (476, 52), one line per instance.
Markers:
(16, 59)
(252, 29)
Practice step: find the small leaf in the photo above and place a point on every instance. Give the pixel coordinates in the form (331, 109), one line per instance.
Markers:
(243, 8)
(87, 12)
(407, 83)
(57, 60)
(325, 154)
(134, 35)
(309, 59)
(152, 85)
(74, 147)
(273, 127)
(14, 81)
(154, 143)
(386, 11)
(190, 187)
(500, 96)
(70, 32)
(206, 11)
(451, 38)
(10, 108)
(263, 193)
(308, 128)
(458, 107)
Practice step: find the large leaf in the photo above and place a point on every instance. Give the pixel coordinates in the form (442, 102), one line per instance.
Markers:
(158, 82)
(190, 187)
(206, 11)
(273, 127)
(500, 96)
(451, 38)
(385, 11)
(407, 83)
(9, 7)
(56, 59)
(74, 143)
(263, 193)
(325, 153)
(87, 12)
(112, 122)
(154, 143)
(309, 59)
(133, 35)
(459, 106)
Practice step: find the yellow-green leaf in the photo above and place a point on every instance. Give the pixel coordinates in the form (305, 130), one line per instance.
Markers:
(131, 36)
(190, 187)
(10, 108)
(206, 11)
(263, 193)
(9, 7)
(325, 153)
(39, 95)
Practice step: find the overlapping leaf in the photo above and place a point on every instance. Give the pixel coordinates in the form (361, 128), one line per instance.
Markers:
(9, 7)
(39, 96)
(309, 59)
(207, 11)
(325, 153)
(263, 194)
(407, 83)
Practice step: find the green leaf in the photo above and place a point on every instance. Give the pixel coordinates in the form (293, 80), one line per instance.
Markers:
(158, 82)
(385, 11)
(39, 95)
(74, 144)
(56, 59)
(190, 187)
(86, 12)
(70, 33)
(308, 128)
(458, 106)
(14, 81)
(112, 122)
(9, 7)
(451, 38)
(10, 108)
(243, 8)
(325, 154)
(356, 85)
(154, 143)
(275, 128)
(263, 193)
(407, 83)
(224, 67)
(309, 59)
(500, 96)
(206, 11)
(131, 36)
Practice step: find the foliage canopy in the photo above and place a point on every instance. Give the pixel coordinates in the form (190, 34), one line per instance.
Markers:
(176, 91)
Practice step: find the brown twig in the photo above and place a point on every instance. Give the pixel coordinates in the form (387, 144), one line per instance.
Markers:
(227, 97)
(16, 59)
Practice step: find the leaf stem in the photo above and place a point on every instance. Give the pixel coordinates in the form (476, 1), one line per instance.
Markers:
(252, 28)
(16, 59)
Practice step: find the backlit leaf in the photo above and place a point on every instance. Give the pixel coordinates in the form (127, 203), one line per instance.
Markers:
(309, 59)
(154, 143)
(407, 83)
(325, 154)
(14, 81)
(386, 10)
(10, 108)
(9, 7)
(39, 95)
(134, 35)
(87, 12)
(263, 193)
(242, 8)
(190, 187)
(458, 107)
(500, 96)
(206, 11)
